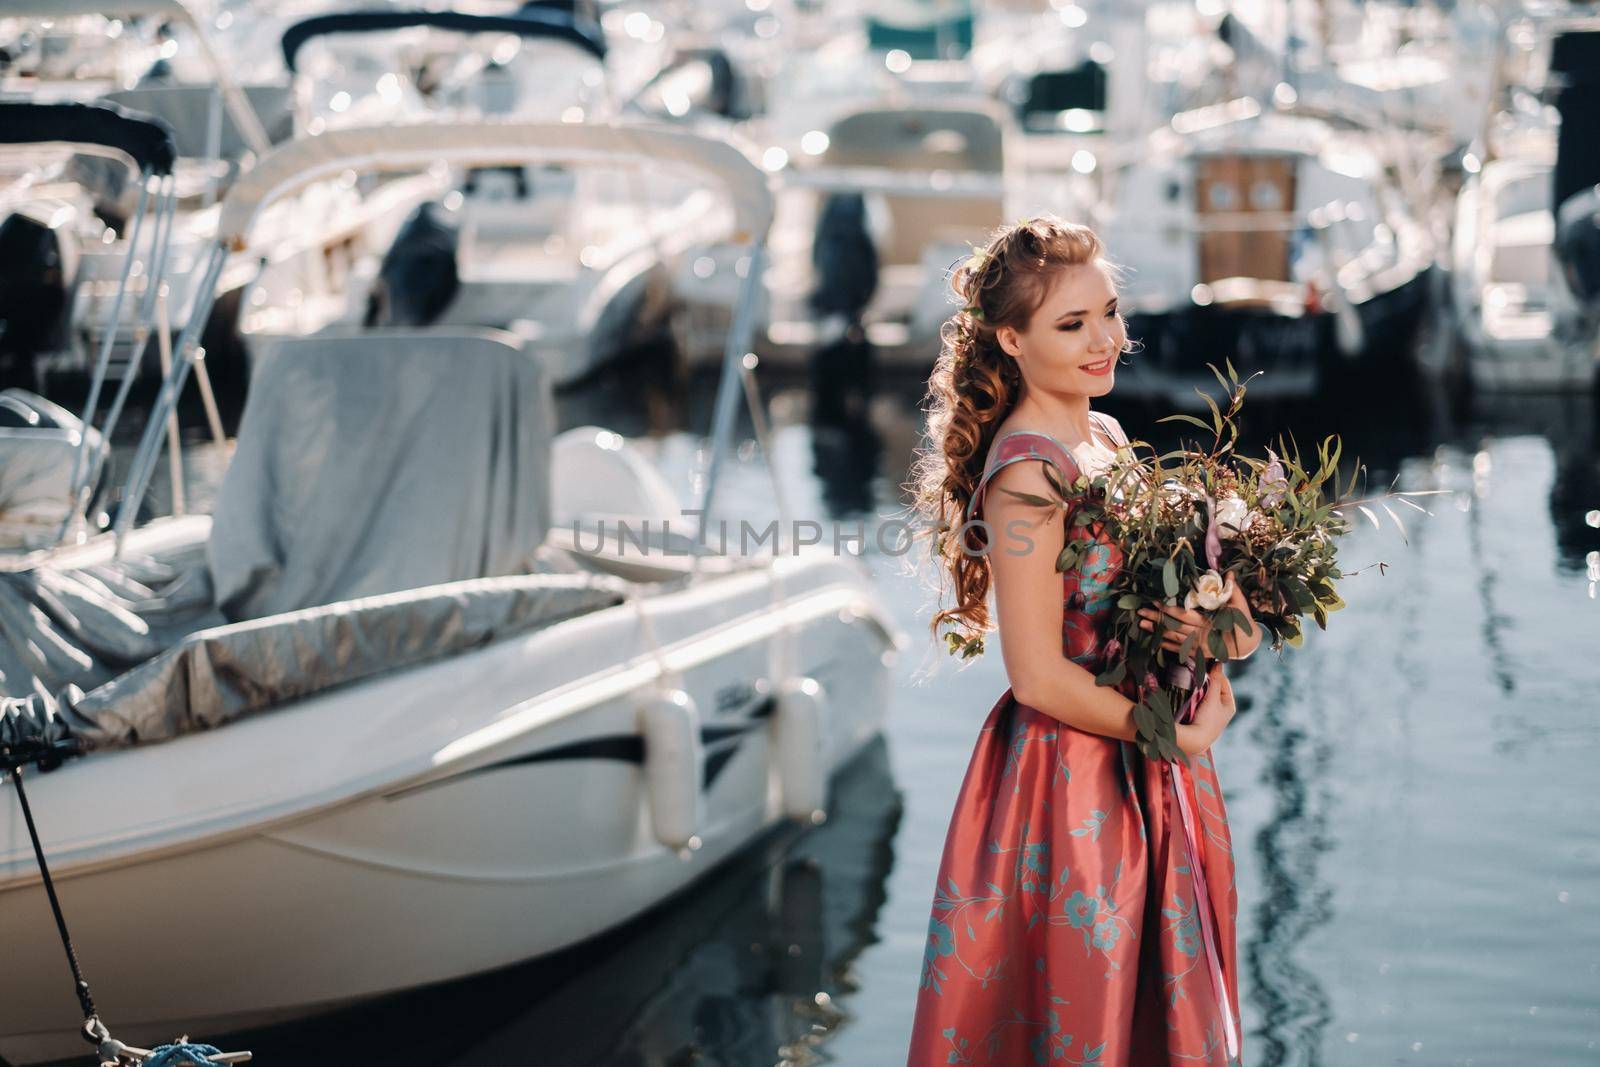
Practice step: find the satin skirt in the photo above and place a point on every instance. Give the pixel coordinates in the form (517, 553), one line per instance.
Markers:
(1068, 924)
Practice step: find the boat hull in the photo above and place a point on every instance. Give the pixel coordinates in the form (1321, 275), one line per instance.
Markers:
(1175, 347)
(299, 860)
(1299, 356)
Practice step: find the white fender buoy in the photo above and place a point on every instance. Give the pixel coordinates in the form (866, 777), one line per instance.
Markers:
(799, 725)
(674, 766)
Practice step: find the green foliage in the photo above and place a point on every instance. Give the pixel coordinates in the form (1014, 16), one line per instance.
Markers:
(1157, 508)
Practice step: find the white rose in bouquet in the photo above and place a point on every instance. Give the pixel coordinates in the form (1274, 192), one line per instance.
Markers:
(1232, 514)
(1211, 591)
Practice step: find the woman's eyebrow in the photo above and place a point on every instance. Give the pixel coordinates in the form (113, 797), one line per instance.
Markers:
(1081, 311)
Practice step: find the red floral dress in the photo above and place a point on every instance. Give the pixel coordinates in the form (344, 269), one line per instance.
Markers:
(1069, 925)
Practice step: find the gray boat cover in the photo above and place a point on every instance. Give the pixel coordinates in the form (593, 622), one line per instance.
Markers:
(216, 675)
(386, 505)
(370, 463)
(86, 625)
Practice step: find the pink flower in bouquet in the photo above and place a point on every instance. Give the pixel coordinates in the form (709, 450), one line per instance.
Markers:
(1273, 484)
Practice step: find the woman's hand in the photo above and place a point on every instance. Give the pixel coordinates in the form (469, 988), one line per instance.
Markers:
(1216, 710)
(1240, 645)
(1183, 622)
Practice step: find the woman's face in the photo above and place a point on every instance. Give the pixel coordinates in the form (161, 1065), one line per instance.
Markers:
(1073, 340)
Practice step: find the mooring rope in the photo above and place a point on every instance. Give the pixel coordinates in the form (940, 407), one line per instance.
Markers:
(80, 986)
(111, 1051)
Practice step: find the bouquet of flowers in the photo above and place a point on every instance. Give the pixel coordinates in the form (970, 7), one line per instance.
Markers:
(1211, 530)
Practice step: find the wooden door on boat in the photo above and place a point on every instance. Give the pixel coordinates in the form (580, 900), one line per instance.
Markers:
(1244, 205)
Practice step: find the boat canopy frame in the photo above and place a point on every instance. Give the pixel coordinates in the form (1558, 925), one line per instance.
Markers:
(419, 146)
(529, 23)
(148, 145)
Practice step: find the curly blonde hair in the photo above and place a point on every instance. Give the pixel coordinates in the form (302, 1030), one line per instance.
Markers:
(973, 387)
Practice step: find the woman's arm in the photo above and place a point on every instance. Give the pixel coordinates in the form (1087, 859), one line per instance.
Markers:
(1024, 541)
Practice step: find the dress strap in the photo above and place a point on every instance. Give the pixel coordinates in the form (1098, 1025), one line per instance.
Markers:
(1019, 445)
(1111, 427)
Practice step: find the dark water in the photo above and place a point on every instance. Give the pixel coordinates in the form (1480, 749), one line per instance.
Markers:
(1412, 794)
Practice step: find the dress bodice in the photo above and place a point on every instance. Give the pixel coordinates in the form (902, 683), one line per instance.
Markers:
(1086, 588)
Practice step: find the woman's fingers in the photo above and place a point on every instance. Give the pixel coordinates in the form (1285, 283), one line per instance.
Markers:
(1173, 637)
(1188, 615)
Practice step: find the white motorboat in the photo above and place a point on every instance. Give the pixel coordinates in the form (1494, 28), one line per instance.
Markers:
(890, 160)
(1273, 237)
(220, 127)
(378, 720)
(1525, 311)
(586, 265)
(1507, 289)
(52, 463)
(869, 230)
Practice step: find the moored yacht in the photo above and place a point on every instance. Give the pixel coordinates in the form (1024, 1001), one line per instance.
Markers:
(376, 722)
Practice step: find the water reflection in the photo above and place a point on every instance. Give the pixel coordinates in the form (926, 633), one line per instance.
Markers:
(1487, 581)
(1292, 1004)
(846, 447)
(1568, 424)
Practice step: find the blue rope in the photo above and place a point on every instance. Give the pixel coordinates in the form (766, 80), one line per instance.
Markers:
(181, 1055)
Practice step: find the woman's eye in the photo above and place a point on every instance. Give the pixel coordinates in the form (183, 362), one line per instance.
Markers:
(1072, 326)
(1113, 313)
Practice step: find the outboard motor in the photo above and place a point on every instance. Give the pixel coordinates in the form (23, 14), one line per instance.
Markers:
(1577, 246)
(843, 258)
(726, 94)
(1575, 67)
(112, 188)
(160, 73)
(1050, 92)
(38, 262)
(418, 277)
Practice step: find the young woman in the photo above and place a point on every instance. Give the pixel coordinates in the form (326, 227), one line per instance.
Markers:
(1071, 924)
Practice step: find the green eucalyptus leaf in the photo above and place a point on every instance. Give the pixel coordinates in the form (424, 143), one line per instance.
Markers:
(1185, 418)
(1113, 675)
